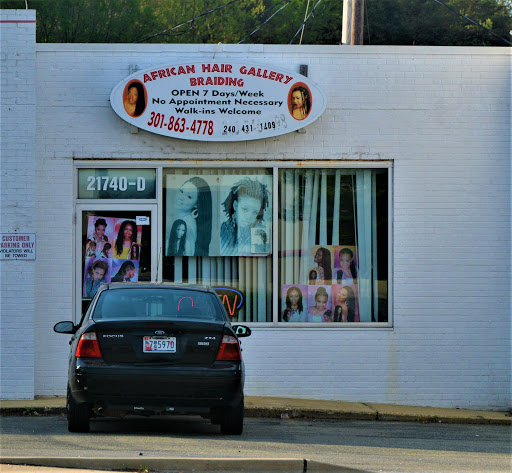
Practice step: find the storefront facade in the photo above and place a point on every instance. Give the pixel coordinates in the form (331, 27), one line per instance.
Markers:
(353, 240)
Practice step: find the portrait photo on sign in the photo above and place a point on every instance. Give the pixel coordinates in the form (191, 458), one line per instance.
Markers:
(100, 234)
(319, 304)
(345, 264)
(245, 203)
(320, 270)
(127, 239)
(294, 303)
(97, 271)
(189, 215)
(299, 101)
(345, 302)
(135, 98)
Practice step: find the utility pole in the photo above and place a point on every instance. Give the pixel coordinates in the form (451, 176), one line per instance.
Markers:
(357, 22)
(346, 34)
(353, 22)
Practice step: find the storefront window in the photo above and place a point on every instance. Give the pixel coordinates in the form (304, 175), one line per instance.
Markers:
(116, 246)
(313, 253)
(218, 231)
(333, 235)
(333, 245)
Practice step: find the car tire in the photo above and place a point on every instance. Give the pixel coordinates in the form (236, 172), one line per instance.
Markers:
(78, 415)
(216, 415)
(232, 422)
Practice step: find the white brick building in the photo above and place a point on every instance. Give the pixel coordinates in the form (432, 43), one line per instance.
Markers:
(434, 121)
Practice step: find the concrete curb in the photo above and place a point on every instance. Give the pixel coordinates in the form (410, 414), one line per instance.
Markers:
(288, 408)
(313, 409)
(304, 413)
(183, 465)
(376, 416)
(32, 411)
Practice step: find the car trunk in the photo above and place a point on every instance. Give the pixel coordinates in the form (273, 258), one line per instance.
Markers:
(142, 342)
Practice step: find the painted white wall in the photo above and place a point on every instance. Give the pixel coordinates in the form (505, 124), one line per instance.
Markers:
(17, 199)
(442, 115)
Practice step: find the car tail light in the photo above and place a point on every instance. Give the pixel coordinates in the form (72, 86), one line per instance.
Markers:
(88, 346)
(229, 349)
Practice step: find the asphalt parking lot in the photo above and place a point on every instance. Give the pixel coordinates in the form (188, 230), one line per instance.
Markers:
(193, 444)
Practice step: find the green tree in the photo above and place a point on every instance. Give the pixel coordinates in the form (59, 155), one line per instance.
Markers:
(89, 21)
(426, 22)
(322, 27)
(393, 22)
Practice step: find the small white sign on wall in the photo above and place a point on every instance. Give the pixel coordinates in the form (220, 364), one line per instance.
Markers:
(17, 246)
(142, 220)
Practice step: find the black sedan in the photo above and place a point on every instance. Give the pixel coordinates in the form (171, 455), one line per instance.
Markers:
(154, 349)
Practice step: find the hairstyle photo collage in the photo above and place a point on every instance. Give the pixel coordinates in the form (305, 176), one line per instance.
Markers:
(330, 293)
(112, 252)
(218, 215)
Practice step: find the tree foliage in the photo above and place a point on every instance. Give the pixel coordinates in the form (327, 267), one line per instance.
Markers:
(398, 22)
(426, 22)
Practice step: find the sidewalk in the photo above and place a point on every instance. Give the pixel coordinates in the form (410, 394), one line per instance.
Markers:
(287, 408)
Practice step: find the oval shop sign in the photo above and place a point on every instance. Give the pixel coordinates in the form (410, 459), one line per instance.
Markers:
(217, 101)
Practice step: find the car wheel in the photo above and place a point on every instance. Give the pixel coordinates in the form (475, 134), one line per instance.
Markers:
(232, 422)
(78, 415)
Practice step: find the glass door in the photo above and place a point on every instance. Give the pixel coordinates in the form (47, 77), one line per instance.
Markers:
(114, 243)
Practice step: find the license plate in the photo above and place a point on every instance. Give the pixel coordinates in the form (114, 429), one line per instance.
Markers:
(159, 345)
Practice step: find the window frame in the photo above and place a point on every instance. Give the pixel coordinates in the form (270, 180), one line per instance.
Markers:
(275, 166)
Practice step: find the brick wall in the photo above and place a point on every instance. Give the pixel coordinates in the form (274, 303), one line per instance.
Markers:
(17, 194)
(442, 115)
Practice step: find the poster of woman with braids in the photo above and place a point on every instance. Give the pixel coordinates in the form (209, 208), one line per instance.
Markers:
(246, 206)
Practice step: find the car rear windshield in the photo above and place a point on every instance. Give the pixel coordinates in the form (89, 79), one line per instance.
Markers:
(148, 303)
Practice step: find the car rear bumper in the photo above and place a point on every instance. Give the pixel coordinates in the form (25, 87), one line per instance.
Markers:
(156, 388)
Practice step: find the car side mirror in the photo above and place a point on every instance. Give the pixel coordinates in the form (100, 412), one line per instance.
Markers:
(65, 327)
(242, 330)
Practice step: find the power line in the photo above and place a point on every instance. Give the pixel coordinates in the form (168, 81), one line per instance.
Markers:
(471, 21)
(305, 21)
(268, 19)
(304, 25)
(207, 12)
(271, 7)
(168, 30)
